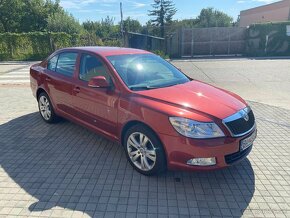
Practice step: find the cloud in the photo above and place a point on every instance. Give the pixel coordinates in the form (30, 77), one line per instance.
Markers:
(69, 5)
(135, 15)
(135, 4)
(106, 4)
(105, 7)
(97, 11)
(139, 5)
(79, 4)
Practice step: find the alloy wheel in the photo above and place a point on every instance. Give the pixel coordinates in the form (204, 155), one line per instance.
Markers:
(44, 107)
(141, 151)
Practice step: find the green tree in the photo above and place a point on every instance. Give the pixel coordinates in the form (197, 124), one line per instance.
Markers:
(107, 29)
(63, 22)
(10, 15)
(190, 23)
(26, 15)
(104, 30)
(163, 12)
(237, 22)
(132, 25)
(209, 17)
(35, 14)
(91, 26)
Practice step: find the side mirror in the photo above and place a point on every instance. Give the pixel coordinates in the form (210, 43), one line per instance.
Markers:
(98, 82)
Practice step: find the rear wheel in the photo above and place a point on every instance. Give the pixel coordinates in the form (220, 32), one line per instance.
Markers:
(45, 108)
(144, 150)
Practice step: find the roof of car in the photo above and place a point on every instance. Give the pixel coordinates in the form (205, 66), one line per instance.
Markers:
(107, 51)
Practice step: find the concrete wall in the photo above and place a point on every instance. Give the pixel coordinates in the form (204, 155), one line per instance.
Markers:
(274, 12)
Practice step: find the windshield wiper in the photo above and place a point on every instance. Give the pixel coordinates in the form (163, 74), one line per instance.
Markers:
(143, 87)
(150, 87)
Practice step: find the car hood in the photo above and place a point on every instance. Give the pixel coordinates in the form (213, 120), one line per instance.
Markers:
(200, 97)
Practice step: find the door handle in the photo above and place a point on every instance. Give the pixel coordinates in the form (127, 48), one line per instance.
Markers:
(77, 89)
(47, 79)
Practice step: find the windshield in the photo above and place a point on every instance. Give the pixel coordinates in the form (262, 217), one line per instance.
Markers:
(146, 71)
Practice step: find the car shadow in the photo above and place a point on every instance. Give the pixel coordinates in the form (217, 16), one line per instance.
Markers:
(68, 166)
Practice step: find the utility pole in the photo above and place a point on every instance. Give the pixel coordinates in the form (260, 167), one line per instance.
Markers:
(122, 24)
(289, 11)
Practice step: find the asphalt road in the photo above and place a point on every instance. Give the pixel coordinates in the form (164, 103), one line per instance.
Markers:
(263, 81)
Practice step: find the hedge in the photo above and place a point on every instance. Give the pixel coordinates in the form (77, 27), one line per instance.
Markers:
(278, 43)
(37, 45)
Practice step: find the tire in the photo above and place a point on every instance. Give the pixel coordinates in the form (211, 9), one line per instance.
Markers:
(46, 109)
(148, 157)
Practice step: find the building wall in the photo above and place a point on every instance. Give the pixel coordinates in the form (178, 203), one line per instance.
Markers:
(274, 12)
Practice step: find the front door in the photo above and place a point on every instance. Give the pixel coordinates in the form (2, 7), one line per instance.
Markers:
(96, 106)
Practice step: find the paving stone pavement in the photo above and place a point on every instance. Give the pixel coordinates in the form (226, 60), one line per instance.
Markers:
(64, 170)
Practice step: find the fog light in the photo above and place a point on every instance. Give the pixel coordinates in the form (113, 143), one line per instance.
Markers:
(210, 161)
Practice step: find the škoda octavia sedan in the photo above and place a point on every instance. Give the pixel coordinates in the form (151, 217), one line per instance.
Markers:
(162, 118)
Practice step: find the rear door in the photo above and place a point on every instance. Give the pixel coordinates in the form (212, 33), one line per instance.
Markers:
(59, 80)
(95, 106)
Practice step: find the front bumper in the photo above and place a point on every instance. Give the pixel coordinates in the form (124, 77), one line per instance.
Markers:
(181, 149)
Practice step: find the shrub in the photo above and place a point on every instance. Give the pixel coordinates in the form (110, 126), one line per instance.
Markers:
(161, 54)
(38, 45)
(278, 42)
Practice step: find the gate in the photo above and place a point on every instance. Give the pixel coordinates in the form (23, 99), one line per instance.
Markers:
(208, 41)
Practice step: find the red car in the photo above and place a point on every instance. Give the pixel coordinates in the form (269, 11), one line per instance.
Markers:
(162, 118)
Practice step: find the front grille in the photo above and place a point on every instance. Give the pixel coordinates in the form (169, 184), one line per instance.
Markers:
(240, 126)
(232, 158)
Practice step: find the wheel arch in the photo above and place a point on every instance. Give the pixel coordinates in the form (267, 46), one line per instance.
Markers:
(39, 90)
(129, 125)
(136, 122)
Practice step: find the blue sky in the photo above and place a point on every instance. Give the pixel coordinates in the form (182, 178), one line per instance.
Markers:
(97, 9)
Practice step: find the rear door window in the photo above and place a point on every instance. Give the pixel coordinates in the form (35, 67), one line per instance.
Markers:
(51, 65)
(66, 63)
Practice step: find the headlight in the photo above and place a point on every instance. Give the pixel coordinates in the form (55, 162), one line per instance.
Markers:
(195, 129)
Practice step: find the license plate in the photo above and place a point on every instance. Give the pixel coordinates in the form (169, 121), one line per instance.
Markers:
(247, 142)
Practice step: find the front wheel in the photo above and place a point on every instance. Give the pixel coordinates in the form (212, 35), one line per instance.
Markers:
(144, 150)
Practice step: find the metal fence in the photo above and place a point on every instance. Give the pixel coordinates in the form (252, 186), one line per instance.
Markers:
(207, 41)
(143, 41)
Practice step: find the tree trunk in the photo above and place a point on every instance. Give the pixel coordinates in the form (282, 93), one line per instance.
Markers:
(162, 32)
(5, 26)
